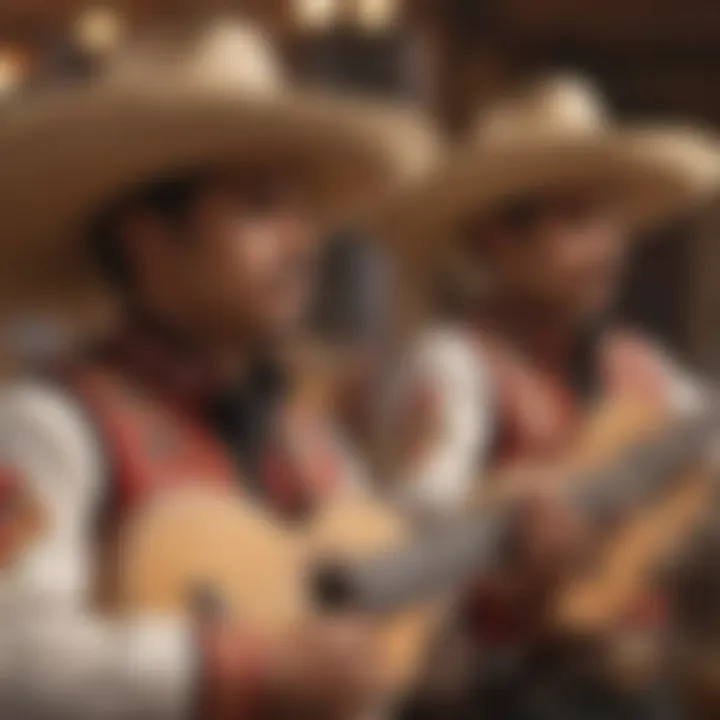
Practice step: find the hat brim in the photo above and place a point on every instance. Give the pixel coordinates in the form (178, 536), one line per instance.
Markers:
(653, 174)
(68, 153)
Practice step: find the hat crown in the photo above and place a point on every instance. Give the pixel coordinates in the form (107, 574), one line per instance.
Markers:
(562, 105)
(236, 54)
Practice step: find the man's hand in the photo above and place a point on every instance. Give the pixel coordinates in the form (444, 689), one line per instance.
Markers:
(551, 542)
(550, 538)
(327, 669)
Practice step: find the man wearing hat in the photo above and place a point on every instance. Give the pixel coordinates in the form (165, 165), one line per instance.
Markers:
(523, 232)
(198, 183)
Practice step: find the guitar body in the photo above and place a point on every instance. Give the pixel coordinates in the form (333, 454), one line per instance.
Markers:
(189, 546)
(629, 554)
(629, 558)
(195, 543)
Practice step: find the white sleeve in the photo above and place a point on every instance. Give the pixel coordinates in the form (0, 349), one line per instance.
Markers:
(439, 481)
(57, 659)
(687, 392)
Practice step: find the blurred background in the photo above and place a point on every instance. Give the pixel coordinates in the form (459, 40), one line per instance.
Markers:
(651, 57)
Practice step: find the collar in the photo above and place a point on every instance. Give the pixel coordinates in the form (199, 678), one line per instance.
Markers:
(163, 360)
(573, 356)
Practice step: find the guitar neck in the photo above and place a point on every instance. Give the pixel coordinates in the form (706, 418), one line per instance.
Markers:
(446, 557)
(644, 470)
(437, 560)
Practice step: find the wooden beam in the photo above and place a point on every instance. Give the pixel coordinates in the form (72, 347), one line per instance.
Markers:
(630, 22)
(704, 294)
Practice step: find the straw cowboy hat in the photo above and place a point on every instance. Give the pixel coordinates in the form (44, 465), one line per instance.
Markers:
(176, 101)
(556, 134)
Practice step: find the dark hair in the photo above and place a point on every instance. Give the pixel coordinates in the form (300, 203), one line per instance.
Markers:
(169, 198)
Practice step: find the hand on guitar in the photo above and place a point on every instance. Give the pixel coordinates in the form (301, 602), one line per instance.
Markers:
(328, 670)
(550, 542)
(324, 670)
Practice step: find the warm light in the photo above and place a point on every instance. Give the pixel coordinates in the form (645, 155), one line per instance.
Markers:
(315, 14)
(99, 29)
(377, 14)
(12, 69)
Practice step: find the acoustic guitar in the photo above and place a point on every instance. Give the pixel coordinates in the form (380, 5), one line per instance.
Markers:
(359, 555)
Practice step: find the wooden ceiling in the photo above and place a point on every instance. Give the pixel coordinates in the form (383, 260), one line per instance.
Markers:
(624, 23)
(619, 25)
(655, 55)
(30, 20)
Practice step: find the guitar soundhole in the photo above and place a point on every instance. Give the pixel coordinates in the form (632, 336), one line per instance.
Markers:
(205, 602)
(331, 585)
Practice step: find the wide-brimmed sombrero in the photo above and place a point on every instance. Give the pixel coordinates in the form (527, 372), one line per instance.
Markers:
(556, 134)
(177, 101)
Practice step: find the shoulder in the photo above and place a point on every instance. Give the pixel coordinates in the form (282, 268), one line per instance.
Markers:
(642, 363)
(445, 341)
(44, 406)
(442, 395)
(446, 351)
(635, 346)
(46, 429)
(443, 370)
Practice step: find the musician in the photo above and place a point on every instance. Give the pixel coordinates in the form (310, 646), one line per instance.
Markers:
(198, 184)
(524, 232)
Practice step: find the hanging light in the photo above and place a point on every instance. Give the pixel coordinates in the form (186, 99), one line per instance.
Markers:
(376, 15)
(98, 30)
(315, 14)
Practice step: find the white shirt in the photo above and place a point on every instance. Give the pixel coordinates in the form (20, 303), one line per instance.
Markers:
(437, 482)
(57, 659)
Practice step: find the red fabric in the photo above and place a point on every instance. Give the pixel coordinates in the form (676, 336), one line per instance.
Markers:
(491, 620)
(235, 675)
(155, 440)
(151, 444)
(147, 398)
(538, 416)
(9, 485)
(535, 416)
(635, 367)
(650, 611)
(284, 483)
(21, 519)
